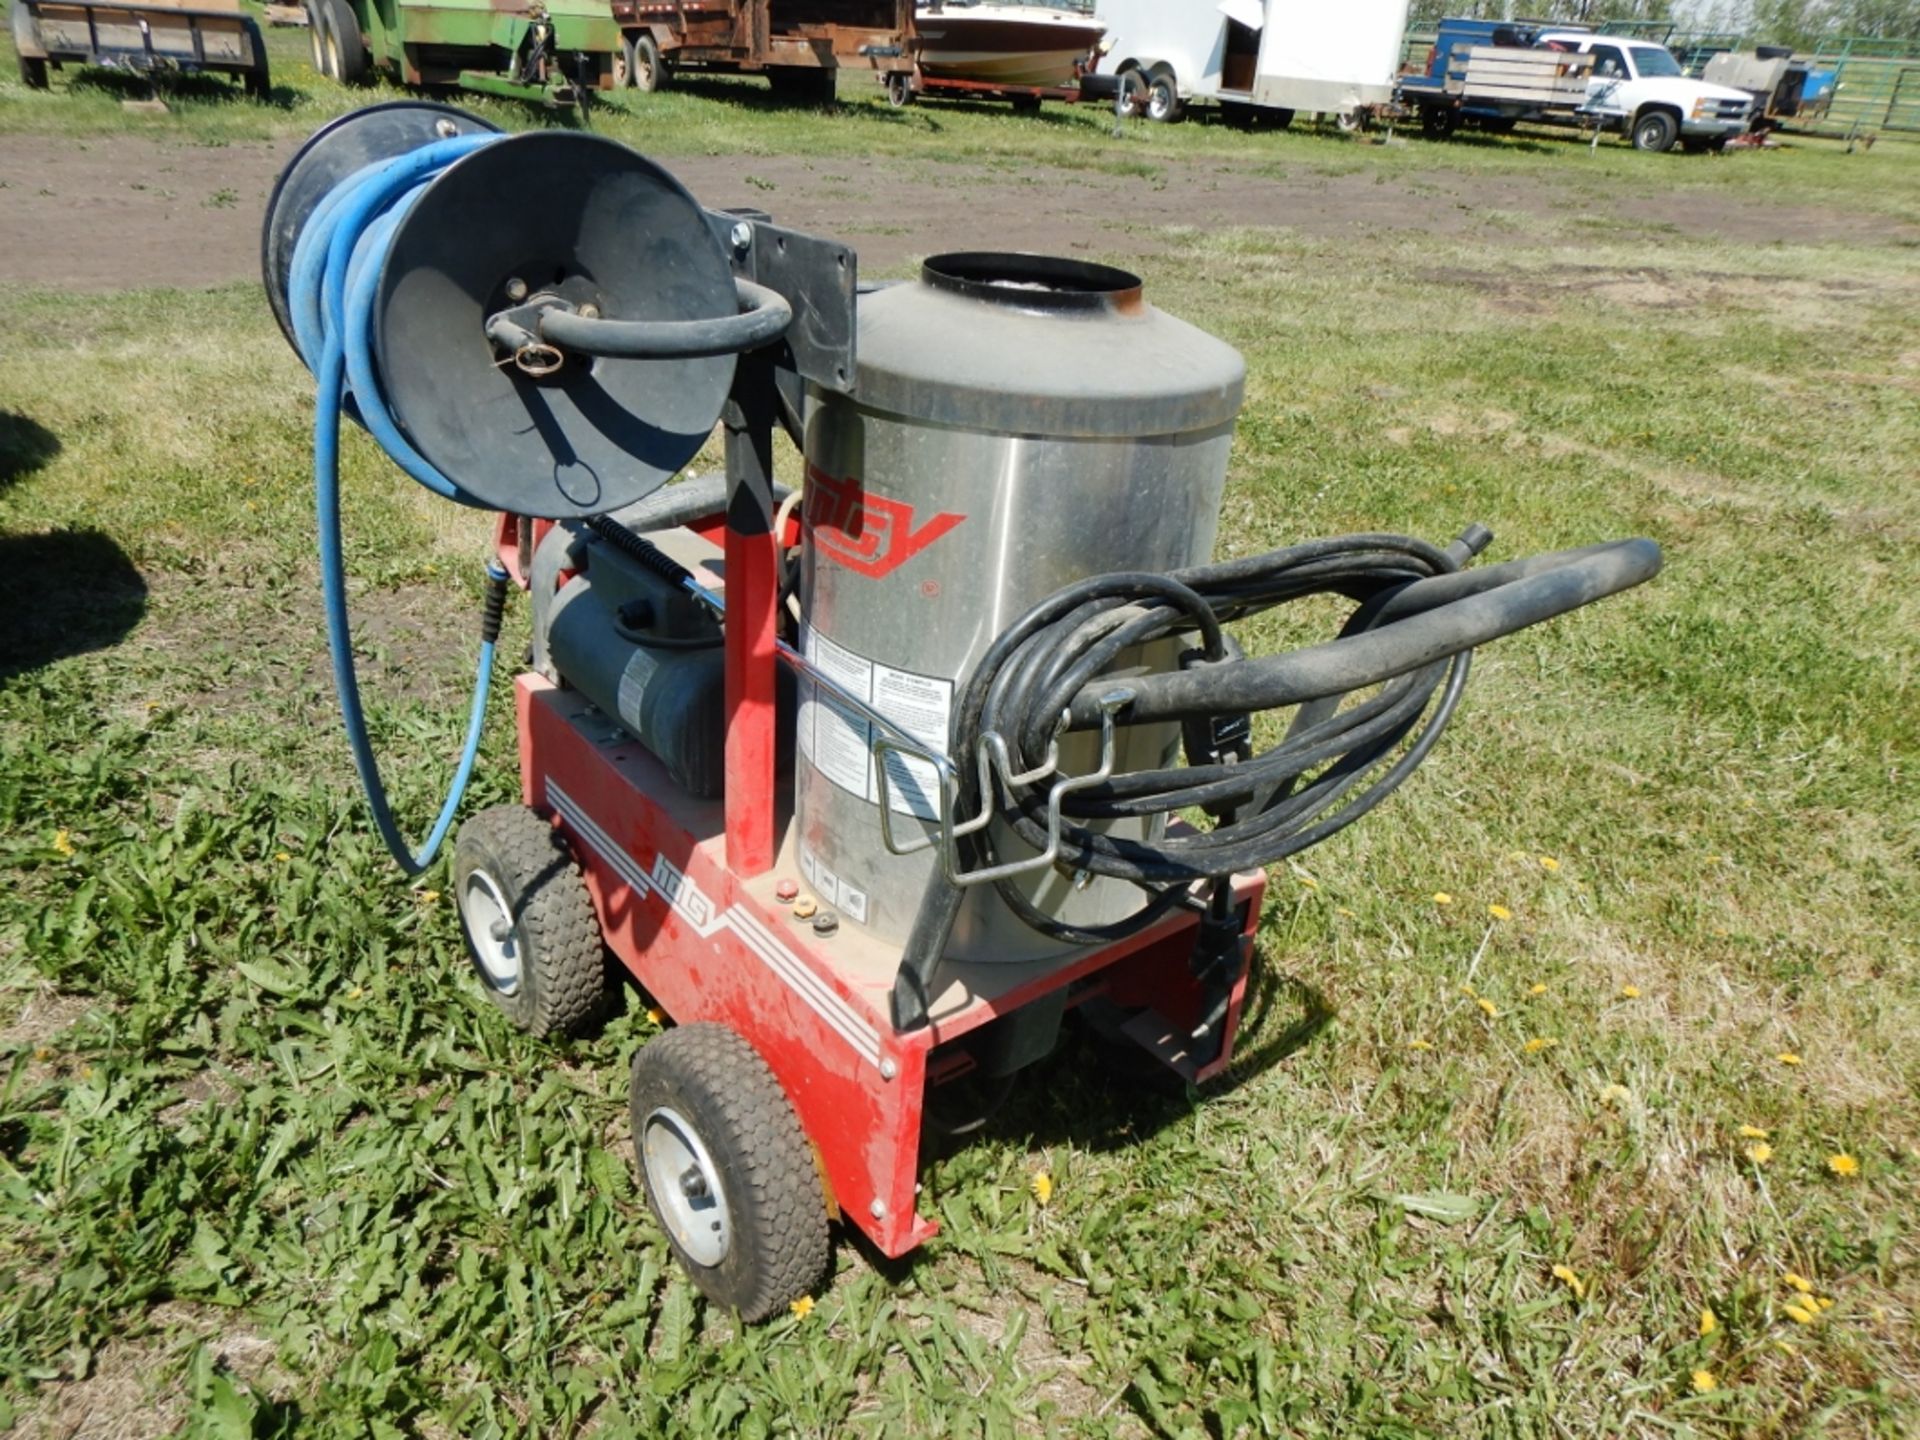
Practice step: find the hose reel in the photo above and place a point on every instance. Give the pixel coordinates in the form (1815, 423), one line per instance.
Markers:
(544, 324)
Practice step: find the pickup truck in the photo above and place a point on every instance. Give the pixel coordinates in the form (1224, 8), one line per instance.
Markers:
(1496, 74)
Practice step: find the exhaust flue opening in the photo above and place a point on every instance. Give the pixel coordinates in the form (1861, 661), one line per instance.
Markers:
(1033, 282)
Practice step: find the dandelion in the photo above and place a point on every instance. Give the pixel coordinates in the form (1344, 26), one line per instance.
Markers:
(1615, 1095)
(355, 993)
(63, 844)
(1709, 1322)
(428, 897)
(1549, 864)
(1308, 881)
(1537, 988)
(1759, 1152)
(1825, 1302)
(1564, 1274)
(654, 1016)
(1843, 1165)
(1042, 1187)
(1704, 1383)
(1752, 1132)
(281, 857)
(1499, 912)
(1787, 1057)
(1487, 1005)
(1419, 1044)
(1798, 1282)
(1539, 1043)
(802, 1307)
(1440, 897)
(1800, 1315)
(1629, 992)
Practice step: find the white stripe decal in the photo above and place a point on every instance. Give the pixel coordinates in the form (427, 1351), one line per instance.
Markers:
(692, 905)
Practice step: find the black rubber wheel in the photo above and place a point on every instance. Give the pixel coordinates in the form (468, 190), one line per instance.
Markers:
(342, 54)
(1026, 104)
(728, 1170)
(1437, 122)
(1279, 119)
(900, 89)
(649, 70)
(1655, 130)
(1163, 97)
(529, 922)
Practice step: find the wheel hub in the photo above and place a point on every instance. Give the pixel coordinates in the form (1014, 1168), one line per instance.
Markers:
(686, 1186)
(490, 926)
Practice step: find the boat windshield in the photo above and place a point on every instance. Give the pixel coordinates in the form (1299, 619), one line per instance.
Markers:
(1651, 60)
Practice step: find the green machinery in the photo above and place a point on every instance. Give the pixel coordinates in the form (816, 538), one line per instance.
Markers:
(551, 50)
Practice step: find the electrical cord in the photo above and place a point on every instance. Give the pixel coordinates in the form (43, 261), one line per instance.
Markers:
(333, 282)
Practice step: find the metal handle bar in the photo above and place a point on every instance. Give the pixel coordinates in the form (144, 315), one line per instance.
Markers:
(550, 323)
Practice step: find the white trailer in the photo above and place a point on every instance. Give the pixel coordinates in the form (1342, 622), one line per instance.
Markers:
(1267, 57)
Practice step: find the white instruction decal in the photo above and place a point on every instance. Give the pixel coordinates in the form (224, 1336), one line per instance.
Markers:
(838, 741)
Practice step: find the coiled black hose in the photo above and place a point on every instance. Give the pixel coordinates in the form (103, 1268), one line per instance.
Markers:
(1409, 641)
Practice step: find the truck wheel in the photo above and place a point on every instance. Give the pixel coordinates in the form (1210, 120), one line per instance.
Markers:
(1163, 97)
(528, 920)
(1655, 130)
(622, 65)
(1437, 122)
(649, 70)
(728, 1170)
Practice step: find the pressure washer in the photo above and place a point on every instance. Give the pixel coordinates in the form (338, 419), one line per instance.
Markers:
(870, 783)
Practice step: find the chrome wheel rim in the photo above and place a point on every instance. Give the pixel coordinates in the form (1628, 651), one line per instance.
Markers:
(491, 932)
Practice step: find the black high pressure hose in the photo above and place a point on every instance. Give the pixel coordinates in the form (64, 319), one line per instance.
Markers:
(1419, 614)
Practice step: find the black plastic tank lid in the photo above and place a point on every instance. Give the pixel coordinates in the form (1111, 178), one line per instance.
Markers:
(1032, 282)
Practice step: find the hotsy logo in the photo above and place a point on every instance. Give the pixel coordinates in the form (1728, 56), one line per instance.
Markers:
(869, 534)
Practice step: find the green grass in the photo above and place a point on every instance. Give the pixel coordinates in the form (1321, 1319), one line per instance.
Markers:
(269, 1164)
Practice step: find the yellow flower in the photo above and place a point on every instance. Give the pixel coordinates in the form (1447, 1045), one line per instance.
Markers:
(1704, 1383)
(1042, 1187)
(1308, 881)
(1564, 1274)
(1549, 864)
(1342, 910)
(1537, 988)
(1539, 1043)
(427, 897)
(1419, 1044)
(1629, 992)
(1760, 1152)
(1466, 988)
(62, 844)
(1825, 1302)
(1798, 1282)
(802, 1307)
(1800, 1316)
(1843, 1165)
(1615, 1095)
(1752, 1132)
(1488, 1006)
(1499, 912)
(355, 993)
(1440, 897)
(1787, 1057)
(1709, 1322)
(654, 1015)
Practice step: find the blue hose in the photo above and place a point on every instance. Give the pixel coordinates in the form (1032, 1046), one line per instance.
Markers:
(331, 289)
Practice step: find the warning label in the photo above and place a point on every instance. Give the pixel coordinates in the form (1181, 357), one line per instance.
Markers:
(838, 741)
(830, 888)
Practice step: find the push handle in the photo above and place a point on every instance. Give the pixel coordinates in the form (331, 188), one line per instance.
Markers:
(539, 334)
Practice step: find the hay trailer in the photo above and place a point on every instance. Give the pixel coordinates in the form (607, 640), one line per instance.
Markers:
(153, 37)
(549, 50)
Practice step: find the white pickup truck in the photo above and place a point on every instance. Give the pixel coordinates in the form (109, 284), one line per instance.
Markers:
(1639, 88)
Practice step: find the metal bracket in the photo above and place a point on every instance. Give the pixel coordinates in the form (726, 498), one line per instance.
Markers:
(818, 278)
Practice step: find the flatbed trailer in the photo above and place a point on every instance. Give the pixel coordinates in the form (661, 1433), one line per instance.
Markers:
(149, 38)
(1495, 86)
(799, 45)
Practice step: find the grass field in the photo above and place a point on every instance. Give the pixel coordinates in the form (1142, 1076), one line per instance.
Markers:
(1494, 1163)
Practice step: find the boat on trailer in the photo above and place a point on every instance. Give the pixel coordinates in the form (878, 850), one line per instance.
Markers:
(1024, 46)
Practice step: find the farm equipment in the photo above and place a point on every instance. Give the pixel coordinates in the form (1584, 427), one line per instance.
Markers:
(152, 37)
(542, 50)
(799, 45)
(870, 785)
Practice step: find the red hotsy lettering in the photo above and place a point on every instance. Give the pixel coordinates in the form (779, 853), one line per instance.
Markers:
(869, 534)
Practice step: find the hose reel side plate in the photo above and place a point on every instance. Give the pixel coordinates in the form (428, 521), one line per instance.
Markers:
(586, 219)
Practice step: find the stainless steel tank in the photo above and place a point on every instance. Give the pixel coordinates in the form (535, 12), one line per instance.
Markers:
(1019, 422)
